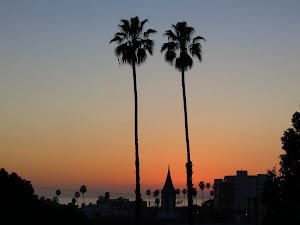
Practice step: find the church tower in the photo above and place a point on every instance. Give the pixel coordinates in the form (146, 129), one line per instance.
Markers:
(168, 195)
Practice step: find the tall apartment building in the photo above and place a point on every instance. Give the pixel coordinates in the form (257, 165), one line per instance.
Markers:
(240, 192)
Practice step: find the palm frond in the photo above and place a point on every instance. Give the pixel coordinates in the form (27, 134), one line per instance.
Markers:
(169, 46)
(149, 32)
(117, 39)
(142, 23)
(170, 56)
(195, 50)
(198, 38)
(171, 35)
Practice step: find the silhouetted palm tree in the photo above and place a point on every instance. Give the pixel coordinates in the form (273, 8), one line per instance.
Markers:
(184, 192)
(133, 47)
(179, 50)
(58, 193)
(73, 201)
(148, 192)
(77, 194)
(202, 186)
(157, 201)
(177, 193)
(106, 195)
(83, 190)
(195, 194)
(212, 193)
(207, 186)
(156, 193)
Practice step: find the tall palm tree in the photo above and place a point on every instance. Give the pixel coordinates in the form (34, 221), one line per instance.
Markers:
(202, 186)
(83, 190)
(179, 50)
(184, 192)
(133, 48)
(148, 192)
(58, 193)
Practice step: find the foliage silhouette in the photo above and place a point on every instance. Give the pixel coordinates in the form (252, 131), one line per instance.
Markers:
(281, 191)
(19, 205)
(133, 48)
(179, 50)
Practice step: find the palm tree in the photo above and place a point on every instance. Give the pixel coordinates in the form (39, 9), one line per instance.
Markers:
(177, 193)
(77, 194)
(208, 187)
(179, 50)
(202, 186)
(83, 190)
(212, 193)
(106, 195)
(73, 201)
(184, 192)
(195, 194)
(132, 49)
(148, 192)
(58, 193)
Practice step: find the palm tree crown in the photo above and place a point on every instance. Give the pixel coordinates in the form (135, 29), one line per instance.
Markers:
(181, 47)
(134, 44)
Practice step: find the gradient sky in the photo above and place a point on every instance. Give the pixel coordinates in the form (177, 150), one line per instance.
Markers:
(67, 106)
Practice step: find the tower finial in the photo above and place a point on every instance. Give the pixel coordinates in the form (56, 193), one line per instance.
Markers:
(169, 167)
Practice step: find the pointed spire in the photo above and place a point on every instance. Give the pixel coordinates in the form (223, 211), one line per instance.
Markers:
(168, 187)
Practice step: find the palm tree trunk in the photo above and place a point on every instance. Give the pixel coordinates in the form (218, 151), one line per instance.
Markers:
(189, 170)
(137, 161)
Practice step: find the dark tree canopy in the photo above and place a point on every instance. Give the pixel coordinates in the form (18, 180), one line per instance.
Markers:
(281, 191)
(19, 205)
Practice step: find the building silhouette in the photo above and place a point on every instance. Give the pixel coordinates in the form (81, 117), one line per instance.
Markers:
(168, 195)
(241, 193)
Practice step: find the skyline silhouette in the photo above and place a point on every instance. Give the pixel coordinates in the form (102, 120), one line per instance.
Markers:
(67, 105)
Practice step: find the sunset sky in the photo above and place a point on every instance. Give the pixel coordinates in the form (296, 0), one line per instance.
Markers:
(67, 106)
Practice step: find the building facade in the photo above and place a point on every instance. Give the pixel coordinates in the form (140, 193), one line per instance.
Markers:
(240, 192)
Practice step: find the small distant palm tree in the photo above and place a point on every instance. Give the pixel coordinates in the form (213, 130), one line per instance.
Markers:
(179, 50)
(55, 199)
(73, 201)
(208, 187)
(195, 194)
(148, 192)
(177, 193)
(157, 201)
(58, 193)
(156, 193)
(83, 190)
(212, 193)
(77, 195)
(106, 195)
(184, 192)
(133, 48)
(202, 186)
